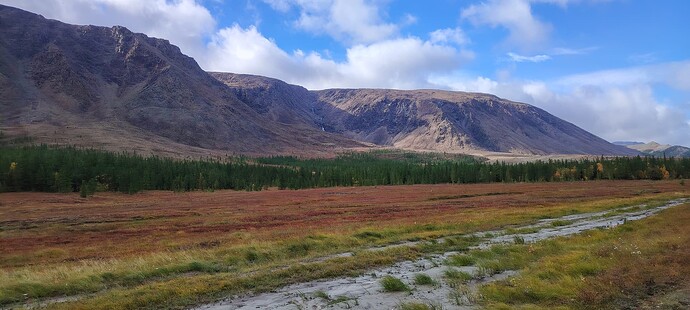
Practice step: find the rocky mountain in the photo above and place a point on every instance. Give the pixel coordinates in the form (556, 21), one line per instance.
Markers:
(420, 119)
(56, 79)
(111, 88)
(444, 121)
(659, 150)
(649, 147)
(673, 151)
(275, 99)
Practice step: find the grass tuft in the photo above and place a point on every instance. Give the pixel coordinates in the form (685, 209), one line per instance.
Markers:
(369, 235)
(423, 279)
(460, 260)
(518, 240)
(456, 278)
(393, 284)
(323, 295)
(558, 223)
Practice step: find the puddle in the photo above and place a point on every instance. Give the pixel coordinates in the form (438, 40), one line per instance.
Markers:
(365, 292)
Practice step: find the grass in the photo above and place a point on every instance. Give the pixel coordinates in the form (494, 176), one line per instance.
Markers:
(393, 284)
(558, 223)
(461, 295)
(522, 231)
(333, 301)
(460, 260)
(159, 249)
(423, 279)
(600, 269)
(456, 278)
(323, 295)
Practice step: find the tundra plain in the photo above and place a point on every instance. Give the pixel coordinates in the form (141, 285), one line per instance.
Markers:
(161, 249)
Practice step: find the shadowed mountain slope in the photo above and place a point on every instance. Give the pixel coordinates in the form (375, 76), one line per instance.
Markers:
(56, 76)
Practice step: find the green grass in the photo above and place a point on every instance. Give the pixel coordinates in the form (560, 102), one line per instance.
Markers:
(599, 269)
(558, 223)
(393, 284)
(323, 295)
(455, 278)
(423, 279)
(522, 231)
(460, 260)
(369, 235)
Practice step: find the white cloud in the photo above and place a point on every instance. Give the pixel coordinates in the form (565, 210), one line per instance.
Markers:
(515, 15)
(613, 104)
(628, 112)
(646, 58)
(520, 58)
(349, 21)
(674, 74)
(409, 19)
(395, 63)
(448, 35)
(280, 5)
(525, 29)
(572, 51)
(400, 63)
(559, 51)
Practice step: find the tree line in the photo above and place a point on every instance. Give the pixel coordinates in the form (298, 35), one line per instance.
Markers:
(68, 169)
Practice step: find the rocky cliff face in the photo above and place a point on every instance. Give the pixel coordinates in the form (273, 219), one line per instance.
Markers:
(445, 121)
(279, 101)
(76, 76)
(420, 119)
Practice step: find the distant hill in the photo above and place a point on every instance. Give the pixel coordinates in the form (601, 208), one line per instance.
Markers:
(420, 119)
(115, 89)
(674, 151)
(659, 150)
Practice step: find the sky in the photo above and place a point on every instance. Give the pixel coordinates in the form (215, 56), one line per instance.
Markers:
(617, 68)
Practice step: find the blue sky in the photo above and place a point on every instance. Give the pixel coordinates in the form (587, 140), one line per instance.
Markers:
(617, 68)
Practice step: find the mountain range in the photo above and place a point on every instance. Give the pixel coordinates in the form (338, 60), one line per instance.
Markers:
(114, 89)
(657, 150)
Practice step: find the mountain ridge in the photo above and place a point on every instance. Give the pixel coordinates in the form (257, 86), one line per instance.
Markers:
(659, 150)
(428, 119)
(113, 88)
(79, 76)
